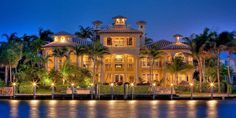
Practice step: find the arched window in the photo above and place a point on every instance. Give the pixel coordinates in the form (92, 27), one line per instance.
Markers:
(180, 54)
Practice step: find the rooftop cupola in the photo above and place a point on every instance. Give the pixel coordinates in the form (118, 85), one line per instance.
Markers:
(62, 37)
(178, 37)
(119, 21)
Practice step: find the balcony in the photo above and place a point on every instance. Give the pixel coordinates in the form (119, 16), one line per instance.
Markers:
(119, 69)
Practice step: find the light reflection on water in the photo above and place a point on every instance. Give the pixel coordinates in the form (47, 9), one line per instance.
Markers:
(117, 109)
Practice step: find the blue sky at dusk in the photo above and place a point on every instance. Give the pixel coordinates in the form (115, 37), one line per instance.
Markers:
(164, 17)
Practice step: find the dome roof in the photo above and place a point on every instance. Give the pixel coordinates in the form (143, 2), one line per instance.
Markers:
(62, 33)
(119, 16)
(161, 43)
(176, 46)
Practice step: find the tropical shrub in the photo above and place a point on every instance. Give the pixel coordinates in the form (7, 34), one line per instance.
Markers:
(2, 83)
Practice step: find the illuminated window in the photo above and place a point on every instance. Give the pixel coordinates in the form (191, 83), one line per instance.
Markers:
(130, 59)
(56, 39)
(120, 21)
(145, 63)
(118, 66)
(63, 39)
(118, 58)
(119, 42)
(130, 65)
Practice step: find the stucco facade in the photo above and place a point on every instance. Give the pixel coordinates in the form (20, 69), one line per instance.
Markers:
(123, 63)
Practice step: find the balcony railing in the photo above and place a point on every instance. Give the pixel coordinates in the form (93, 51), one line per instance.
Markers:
(119, 69)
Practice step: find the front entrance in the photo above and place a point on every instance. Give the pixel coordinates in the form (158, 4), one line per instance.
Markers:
(119, 78)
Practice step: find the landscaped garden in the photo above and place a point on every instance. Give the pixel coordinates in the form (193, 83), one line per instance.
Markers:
(24, 63)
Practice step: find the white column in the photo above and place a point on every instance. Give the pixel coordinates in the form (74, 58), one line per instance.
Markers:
(136, 68)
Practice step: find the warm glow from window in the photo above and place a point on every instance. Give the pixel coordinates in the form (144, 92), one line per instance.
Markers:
(63, 39)
(56, 39)
(120, 21)
(118, 56)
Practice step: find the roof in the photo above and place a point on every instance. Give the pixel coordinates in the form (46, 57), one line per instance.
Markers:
(75, 41)
(161, 43)
(119, 16)
(62, 33)
(123, 30)
(175, 46)
(81, 41)
(59, 44)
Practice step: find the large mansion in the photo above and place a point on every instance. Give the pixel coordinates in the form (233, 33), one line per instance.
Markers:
(124, 62)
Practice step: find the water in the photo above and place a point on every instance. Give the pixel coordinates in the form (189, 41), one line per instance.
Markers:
(116, 109)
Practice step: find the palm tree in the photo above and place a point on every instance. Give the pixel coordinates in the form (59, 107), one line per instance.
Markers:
(151, 54)
(221, 42)
(11, 53)
(200, 48)
(45, 35)
(230, 47)
(79, 51)
(59, 53)
(84, 33)
(96, 51)
(177, 66)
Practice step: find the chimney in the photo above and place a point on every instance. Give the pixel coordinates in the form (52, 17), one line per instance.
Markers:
(141, 25)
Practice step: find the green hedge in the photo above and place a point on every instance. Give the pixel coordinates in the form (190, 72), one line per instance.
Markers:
(2, 84)
(106, 89)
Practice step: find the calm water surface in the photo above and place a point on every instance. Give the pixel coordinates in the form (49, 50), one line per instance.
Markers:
(116, 109)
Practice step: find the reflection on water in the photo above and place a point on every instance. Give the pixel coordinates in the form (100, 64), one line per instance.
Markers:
(34, 111)
(212, 109)
(117, 109)
(191, 108)
(52, 111)
(14, 107)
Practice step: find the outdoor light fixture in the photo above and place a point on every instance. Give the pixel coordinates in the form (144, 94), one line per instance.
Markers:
(154, 84)
(212, 84)
(212, 89)
(132, 84)
(34, 84)
(191, 90)
(72, 84)
(112, 84)
(191, 84)
(53, 85)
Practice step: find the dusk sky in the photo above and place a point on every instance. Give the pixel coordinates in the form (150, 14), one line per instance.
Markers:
(164, 17)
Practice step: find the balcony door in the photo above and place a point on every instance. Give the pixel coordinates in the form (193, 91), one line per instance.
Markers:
(119, 78)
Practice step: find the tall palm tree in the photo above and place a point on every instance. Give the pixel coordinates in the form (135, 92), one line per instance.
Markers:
(151, 54)
(177, 66)
(230, 47)
(199, 46)
(96, 51)
(79, 50)
(221, 42)
(11, 53)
